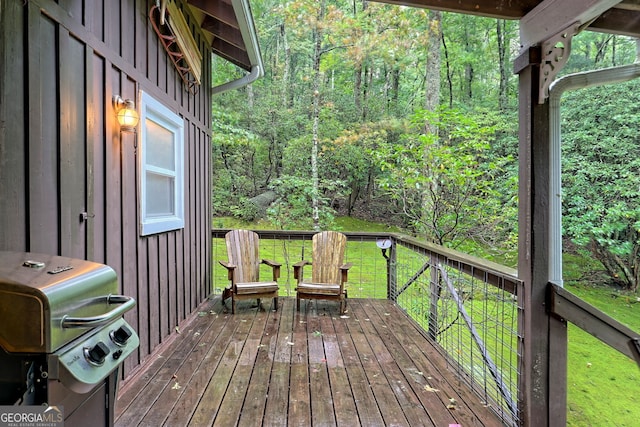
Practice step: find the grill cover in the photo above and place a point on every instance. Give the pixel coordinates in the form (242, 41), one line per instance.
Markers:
(37, 291)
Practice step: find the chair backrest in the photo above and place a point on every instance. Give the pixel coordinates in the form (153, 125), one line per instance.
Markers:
(328, 256)
(243, 250)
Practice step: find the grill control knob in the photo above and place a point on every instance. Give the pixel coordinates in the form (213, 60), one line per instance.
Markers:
(121, 335)
(97, 354)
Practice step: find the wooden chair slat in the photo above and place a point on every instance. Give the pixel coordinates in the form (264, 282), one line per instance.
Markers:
(328, 269)
(243, 252)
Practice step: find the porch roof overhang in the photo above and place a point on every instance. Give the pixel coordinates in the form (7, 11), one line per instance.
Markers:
(230, 31)
(541, 18)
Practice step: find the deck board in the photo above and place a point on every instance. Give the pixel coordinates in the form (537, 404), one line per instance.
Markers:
(370, 367)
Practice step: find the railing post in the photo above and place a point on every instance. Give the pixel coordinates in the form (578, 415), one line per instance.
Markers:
(392, 274)
(434, 295)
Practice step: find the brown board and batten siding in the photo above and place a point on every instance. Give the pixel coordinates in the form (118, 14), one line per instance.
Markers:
(69, 178)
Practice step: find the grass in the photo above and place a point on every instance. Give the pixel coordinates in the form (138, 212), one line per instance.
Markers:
(602, 383)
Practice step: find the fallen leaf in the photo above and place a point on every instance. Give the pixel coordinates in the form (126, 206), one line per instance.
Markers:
(290, 343)
(176, 386)
(317, 333)
(344, 316)
(196, 334)
(202, 313)
(431, 389)
(178, 329)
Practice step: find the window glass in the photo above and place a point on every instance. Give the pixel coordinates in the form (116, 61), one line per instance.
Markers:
(161, 168)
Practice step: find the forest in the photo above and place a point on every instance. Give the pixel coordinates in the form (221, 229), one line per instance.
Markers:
(408, 117)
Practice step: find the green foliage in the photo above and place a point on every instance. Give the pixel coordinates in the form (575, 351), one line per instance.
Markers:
(592, 50)
(446, 182)
(292, 209)
(601, 159)
(372, 80)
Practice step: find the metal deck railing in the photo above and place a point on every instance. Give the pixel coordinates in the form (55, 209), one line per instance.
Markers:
(468, 306)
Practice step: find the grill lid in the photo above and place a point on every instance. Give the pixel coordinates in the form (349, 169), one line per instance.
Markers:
(46, 301)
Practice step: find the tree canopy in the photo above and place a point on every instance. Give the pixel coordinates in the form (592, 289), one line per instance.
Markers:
(409, 117)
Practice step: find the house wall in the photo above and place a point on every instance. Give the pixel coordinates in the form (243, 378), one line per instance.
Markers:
(62, 154)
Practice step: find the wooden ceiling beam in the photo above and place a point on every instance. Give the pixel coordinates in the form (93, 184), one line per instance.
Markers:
(229, 33)
(231, 53)
(552, 17)
(222, 10)
(618, 21)
(514, 9)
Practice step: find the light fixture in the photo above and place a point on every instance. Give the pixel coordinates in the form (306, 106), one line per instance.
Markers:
(126, 113)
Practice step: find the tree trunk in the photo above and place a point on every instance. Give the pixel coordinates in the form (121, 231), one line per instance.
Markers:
(432, 75)
(357, 88)
(395, 89)
(368, 74)
(468, 67)
(317, 52)
(502, 58)
(448, 67)
(432, 101)
(286, 103)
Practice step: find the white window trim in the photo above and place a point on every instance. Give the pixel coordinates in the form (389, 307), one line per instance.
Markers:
(153, 110)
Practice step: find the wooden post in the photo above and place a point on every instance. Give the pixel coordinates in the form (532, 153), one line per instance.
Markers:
(543, 378)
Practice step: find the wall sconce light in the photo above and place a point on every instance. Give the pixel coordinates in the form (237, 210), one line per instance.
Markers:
(126, 113)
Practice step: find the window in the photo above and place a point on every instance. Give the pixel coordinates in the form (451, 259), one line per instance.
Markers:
(161, 168)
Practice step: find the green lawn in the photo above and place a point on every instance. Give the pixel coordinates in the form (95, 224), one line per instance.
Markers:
(603, 384)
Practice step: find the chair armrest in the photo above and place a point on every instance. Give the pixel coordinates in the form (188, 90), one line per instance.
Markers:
(346, 266)
(297, 269)
(275, 266)
(229, 267)
(344, 270)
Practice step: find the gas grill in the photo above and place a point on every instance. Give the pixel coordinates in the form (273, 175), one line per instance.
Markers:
(62, 335)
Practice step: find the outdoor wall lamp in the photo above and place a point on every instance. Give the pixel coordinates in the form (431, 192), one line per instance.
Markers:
(126, 113)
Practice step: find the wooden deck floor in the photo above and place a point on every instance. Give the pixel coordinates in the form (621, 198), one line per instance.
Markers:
(370, 367)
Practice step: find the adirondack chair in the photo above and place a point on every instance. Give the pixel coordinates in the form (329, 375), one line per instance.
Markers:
(329, 273)
(243, 269)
